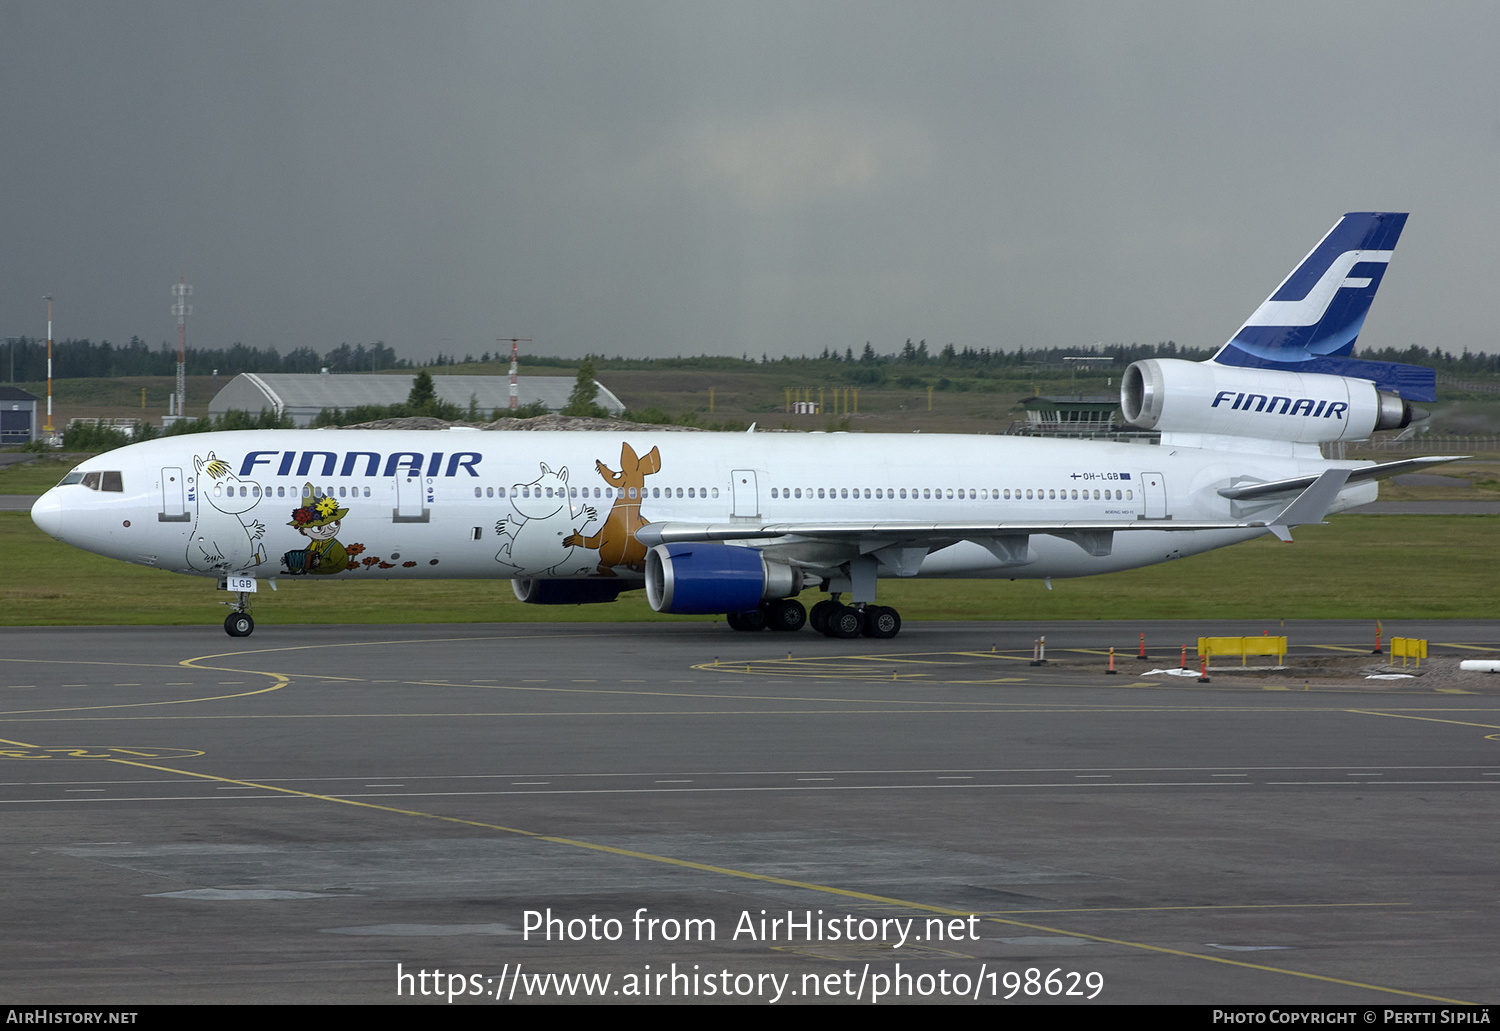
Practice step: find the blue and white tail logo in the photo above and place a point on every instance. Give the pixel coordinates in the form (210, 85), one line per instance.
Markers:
(1311, 321)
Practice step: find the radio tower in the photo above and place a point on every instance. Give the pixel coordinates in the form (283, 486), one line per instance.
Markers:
(515, 370)
(48, 428)
(182, 310)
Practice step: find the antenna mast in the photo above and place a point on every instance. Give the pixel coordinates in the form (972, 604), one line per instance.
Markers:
(48, 427)
(515, 369)
(182, 310)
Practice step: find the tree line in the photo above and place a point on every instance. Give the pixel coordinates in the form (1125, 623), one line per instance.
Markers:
(24, 359)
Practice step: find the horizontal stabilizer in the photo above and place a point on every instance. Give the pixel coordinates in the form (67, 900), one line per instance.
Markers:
(1412, 382)
(1246, 491)
(1311, 505)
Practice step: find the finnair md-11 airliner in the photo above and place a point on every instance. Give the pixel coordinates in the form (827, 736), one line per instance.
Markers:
(743, 523)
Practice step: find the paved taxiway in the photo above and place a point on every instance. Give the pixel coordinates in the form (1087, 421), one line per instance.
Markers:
(286, 818)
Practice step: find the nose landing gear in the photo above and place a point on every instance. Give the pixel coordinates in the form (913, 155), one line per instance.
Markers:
(239, 624)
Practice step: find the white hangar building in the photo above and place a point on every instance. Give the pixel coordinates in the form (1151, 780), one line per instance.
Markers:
(304, 396)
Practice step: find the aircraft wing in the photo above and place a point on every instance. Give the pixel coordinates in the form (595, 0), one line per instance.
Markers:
(1006, 539)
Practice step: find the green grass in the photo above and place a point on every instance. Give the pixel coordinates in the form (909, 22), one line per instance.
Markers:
(1358, 567)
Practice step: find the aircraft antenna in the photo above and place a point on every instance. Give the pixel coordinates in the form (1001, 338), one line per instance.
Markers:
(181, 290)
(515, 369)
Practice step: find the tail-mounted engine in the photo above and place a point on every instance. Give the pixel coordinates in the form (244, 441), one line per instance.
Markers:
(1176, 396)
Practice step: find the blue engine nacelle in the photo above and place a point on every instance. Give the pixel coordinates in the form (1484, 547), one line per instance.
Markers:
(568, 592)
(699, 579)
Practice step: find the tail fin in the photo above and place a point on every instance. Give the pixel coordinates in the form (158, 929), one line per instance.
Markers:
(1311, 321)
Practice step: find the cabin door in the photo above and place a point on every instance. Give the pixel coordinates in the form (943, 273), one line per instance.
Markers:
(746, 494)
(1154, 490)
(173, 498)
(411, 500)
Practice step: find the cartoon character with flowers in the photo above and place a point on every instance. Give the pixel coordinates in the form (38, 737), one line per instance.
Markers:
(319, 521)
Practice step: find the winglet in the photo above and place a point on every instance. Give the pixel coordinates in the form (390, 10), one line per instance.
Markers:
(1311, 505)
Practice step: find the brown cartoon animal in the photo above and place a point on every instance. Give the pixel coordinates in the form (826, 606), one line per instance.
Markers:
(615, 540)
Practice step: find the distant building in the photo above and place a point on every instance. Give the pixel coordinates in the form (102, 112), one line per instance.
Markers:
(17, 416)
(1071, 416)
(304, 396)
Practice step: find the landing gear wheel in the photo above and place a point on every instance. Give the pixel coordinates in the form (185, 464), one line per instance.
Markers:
(845, 623)
(786, 614)
(750, 621)
(882, 622)
(239, 624)
(818, 617)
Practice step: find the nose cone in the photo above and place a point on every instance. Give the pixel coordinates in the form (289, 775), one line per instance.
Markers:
(47, 513)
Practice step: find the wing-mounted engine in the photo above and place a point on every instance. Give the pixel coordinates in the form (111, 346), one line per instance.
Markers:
(1181, 397)
(704, 578)
(569, 592)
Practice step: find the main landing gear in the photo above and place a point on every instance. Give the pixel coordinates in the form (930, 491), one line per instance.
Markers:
(784, 614)
(829, 617)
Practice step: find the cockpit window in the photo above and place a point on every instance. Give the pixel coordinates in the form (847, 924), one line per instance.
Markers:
(110, 481)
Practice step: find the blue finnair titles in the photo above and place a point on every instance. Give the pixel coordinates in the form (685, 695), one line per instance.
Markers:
(1311, 321)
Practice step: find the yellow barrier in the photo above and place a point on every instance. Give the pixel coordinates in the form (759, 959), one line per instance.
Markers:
(1208, 647)
(1409, 648)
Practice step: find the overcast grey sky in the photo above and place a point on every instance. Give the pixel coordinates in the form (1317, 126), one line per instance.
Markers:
(678, 178)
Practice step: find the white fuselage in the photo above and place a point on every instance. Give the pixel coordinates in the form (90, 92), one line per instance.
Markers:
(559, 505)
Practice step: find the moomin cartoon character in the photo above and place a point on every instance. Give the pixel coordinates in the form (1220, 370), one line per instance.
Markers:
(222, 537)
(543, 517)
(615, 540)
